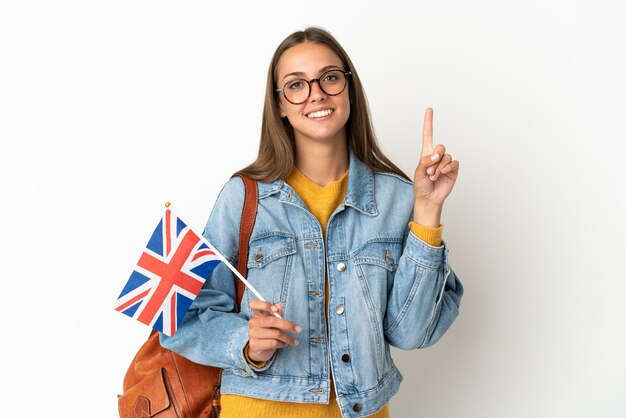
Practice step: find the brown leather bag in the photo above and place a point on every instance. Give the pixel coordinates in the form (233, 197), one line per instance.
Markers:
(160, 383)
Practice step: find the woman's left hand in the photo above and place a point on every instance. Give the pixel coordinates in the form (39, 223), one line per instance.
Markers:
(434, 178)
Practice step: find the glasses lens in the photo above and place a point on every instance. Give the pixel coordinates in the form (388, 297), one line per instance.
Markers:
(296, 91)
(333, 82)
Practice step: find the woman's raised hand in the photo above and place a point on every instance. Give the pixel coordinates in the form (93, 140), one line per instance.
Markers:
(266, 332)
(434, 179)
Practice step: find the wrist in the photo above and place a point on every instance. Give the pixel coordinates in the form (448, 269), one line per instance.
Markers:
(427, 214)
(250, 358)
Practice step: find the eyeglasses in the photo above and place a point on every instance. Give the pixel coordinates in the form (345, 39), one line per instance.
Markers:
(331, 82)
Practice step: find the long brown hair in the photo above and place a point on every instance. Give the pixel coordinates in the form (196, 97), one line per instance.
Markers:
(276, 150)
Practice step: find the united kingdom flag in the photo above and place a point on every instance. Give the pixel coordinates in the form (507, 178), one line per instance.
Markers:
(168, 276)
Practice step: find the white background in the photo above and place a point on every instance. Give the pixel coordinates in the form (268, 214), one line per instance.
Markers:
(110, 108)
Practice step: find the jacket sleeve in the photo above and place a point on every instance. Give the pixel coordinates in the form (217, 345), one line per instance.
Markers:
(425, 297)
(213, 332)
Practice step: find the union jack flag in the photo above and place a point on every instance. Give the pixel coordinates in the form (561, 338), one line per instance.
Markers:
(168, 276)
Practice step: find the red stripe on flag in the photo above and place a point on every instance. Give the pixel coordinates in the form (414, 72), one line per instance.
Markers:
(168, 238)
(132, 301)
(173, 320)
(202, 254)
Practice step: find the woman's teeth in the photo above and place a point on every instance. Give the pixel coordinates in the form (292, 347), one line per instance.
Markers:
(320, 113)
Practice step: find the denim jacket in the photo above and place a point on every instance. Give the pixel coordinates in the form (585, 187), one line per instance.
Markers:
(387, 287)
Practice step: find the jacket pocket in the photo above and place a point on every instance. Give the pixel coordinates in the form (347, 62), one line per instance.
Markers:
(376, 263)
(270, 261)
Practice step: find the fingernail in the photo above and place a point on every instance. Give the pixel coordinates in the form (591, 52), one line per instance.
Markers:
(434, 156)
(274, 308)
(433, 178)
(298, 329)
(430, 170)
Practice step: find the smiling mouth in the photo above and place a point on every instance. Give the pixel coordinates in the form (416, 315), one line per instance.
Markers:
(319, 113)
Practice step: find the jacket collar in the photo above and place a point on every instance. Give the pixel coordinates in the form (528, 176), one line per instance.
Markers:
(360, 193)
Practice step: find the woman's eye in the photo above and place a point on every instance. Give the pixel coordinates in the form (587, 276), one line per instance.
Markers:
(331, 78)
(295, 85)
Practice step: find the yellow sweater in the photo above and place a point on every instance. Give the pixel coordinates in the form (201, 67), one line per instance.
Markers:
(322, 202)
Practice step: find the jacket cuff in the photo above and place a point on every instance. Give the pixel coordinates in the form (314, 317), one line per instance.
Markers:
(424, 254)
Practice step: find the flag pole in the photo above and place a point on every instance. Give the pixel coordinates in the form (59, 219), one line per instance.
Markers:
(223, 259)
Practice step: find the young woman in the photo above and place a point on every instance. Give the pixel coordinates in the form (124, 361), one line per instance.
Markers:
(345, 246)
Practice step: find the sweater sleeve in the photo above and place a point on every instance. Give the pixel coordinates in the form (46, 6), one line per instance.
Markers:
(431, 236)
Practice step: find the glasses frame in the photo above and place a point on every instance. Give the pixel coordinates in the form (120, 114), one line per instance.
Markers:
(345, 73)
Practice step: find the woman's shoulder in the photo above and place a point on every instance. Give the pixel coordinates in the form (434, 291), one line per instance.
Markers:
(392, 191)
(385, 177)
(233, 192)
(231, 196)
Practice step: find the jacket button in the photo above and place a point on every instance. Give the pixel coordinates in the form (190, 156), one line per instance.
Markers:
(339, 309)
(341, 266)
(357, 407)
(345, 358)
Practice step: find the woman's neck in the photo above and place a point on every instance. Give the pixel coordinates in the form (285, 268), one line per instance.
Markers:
(322, 163)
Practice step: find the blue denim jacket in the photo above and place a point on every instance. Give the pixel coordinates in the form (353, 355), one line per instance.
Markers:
(387, 287)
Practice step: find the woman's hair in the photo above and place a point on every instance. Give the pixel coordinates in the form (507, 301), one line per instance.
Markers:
(276, 150)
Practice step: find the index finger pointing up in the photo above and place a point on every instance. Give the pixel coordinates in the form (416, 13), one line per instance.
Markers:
(427, 133)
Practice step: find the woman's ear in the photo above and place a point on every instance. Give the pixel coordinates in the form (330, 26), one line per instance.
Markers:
(282, 112)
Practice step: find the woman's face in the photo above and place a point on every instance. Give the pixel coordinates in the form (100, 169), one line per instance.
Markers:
(321, 117)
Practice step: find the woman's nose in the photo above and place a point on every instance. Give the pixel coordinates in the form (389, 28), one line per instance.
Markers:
(316, 91)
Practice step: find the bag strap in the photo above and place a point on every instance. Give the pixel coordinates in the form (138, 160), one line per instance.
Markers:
(248, 216)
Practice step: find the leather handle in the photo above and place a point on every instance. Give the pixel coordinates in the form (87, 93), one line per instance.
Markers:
(248, 216)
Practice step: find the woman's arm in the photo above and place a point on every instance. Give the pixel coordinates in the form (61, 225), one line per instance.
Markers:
(425, 297)
(212, 332)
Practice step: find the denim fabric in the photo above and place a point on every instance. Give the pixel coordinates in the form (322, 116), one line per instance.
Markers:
(387, 287)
